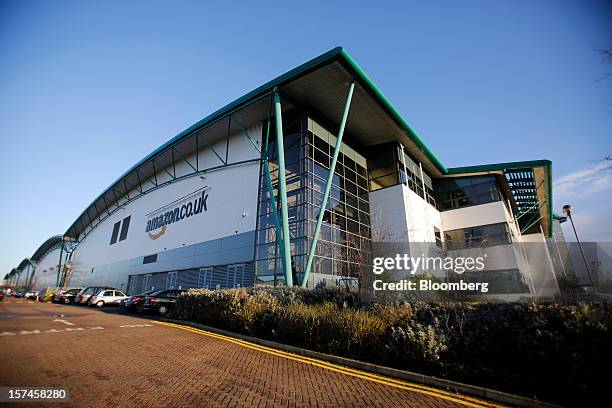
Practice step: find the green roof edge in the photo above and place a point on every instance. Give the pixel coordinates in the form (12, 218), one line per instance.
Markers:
(391, 110)
(550, 199)
(368, 84)
(515, 165)
(499, 166)
(236, 104)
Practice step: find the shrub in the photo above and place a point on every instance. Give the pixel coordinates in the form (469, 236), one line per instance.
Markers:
(550, 351)
(331, 329)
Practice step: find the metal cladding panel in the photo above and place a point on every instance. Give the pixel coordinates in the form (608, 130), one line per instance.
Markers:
(135, 285)
(188, 279)
(191, 211)
(219, 277)
(45, 274)
(158, 281)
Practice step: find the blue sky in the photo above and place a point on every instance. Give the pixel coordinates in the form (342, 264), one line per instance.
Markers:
(89, 88)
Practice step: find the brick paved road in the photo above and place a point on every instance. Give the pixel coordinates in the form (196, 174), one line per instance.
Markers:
(106, 358)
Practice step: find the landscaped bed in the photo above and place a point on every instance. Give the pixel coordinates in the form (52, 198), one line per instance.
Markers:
(553, 352)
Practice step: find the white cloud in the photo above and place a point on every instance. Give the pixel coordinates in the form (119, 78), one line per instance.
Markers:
(589, 191)
(586, 181)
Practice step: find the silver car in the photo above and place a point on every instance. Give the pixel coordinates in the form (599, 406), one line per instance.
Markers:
(83, 296)
(107, 297)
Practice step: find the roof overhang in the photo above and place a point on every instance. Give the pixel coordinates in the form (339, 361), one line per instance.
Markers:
(320, 84)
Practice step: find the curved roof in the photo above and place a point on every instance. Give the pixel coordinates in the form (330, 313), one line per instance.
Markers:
(23, 264)
(46, 247)
(320, 82)
(324, 75)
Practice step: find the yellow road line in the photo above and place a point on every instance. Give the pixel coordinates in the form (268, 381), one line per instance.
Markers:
(422, 389)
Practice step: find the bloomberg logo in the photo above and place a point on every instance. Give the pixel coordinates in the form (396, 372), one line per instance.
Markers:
(193, 204)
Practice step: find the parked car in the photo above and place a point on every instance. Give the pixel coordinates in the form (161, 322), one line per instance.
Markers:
(133, 302)
(161, 301)
(83, 296)
(66, 296)
(18, 294)
(1, 296)
(32, 295)
(107, 298)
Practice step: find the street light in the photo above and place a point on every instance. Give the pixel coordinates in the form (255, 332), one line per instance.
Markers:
(567, 209)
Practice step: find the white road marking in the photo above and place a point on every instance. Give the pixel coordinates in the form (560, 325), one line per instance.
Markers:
(64, 321)
(29, 332)
(136, 325)
(67, 329)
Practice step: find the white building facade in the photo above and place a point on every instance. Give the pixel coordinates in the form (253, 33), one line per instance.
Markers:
(211, 208)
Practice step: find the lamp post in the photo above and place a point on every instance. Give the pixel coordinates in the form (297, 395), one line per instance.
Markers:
(567, 209)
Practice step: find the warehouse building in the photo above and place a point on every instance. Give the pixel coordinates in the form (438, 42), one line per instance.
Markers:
(235, 200)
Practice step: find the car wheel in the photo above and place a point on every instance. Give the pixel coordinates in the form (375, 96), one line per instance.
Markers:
(66, 301)
(100, 303)
(163, 310)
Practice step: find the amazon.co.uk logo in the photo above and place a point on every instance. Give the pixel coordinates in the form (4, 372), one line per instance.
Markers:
(158, 224)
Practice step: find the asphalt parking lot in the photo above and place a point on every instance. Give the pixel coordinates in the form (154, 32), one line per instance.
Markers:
(105, 357)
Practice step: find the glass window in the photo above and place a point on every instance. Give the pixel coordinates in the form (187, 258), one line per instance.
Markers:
(115, 232)
(341, 218)
(351, 213)
(321, 157)
(466, 191)
(321, 145)
(438, 236)
(479, 236)
(124, 228)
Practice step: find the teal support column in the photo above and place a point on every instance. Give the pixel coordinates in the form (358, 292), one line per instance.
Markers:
(277, 226)
(31, 276)
(266, 164)
(328, 185)
(27, 276)
(282, 189)
(59, 265)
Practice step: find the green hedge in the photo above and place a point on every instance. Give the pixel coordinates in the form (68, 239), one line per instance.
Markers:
(548, 351)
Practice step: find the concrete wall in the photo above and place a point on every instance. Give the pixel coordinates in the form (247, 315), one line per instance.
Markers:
(542, 272)
(404, 214)
(489, 213)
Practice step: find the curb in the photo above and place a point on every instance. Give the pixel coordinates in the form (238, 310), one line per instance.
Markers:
(448, 385)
